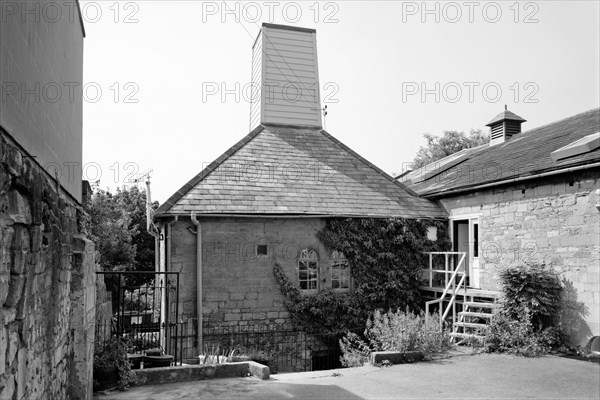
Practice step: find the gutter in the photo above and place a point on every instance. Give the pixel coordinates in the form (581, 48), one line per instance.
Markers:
(512, 180)
(198, 276)
(232, 215)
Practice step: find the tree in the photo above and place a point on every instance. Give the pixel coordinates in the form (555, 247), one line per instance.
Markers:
(449, 143)
(117, 226)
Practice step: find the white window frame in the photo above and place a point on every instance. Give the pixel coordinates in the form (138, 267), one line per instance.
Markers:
(338, 259)
(307, 257)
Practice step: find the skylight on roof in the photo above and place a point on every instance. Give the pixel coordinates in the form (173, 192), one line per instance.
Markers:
(580, 146)
(437, 167)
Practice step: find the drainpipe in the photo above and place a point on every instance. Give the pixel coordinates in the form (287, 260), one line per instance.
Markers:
(198, 276)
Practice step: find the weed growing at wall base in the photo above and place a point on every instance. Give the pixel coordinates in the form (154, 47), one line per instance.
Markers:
(400, 331)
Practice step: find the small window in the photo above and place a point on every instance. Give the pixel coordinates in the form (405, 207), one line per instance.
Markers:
(340, 276)
(432, 233)
(308, 269)
(262, 250)
(340, 272)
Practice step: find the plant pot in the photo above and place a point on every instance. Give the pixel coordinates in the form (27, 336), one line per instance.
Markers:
(106, 378)
(154, 352)
(135, 360)
(158, 361)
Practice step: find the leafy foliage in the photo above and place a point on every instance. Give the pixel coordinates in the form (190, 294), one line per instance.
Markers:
(515, 334)
(532, 320)
(449, 143)
(536, 287)
(394, 331)
(113, 353)
(386, 257)
(116, 224)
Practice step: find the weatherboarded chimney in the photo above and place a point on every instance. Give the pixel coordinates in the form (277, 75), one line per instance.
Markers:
(504, 126)
(285, 77)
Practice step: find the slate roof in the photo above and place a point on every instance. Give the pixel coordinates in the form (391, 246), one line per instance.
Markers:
(525, 154)
(505, 115)
(295, 172)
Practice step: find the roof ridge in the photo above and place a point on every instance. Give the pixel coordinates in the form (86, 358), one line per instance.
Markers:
(166, 206)
(532, 130)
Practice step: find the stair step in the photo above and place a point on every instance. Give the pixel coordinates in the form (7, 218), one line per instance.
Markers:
(465, 335)
(469, 325)
(475, 314)
(481, 305)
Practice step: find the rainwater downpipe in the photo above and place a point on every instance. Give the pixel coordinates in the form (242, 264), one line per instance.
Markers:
(198, 276)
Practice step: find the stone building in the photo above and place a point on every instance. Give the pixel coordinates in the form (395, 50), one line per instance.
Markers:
(264, 200)
(47, 279)
(531, 196)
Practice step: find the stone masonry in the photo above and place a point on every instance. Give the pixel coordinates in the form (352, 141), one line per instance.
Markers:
(239, 286)
(47, 286)
(556, 220)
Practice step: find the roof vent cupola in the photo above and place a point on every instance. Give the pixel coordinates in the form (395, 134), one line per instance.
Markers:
(504, 126)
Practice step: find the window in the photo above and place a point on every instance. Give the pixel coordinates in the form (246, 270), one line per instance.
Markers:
(340, 272)
(475, 239)
(432, 233)
(262, 250)
(308, 269)
(340, 276)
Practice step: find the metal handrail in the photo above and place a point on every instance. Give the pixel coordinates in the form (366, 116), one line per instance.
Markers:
(449, 284)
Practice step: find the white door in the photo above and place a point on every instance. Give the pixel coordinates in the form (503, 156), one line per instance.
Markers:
(465, 238)
(474, 252)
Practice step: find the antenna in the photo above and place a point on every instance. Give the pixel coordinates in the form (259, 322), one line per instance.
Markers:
(324, 111)
(150, 227)
(144, 175)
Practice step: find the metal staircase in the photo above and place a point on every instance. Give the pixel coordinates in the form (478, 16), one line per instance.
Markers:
(473, 319)
(467, 310)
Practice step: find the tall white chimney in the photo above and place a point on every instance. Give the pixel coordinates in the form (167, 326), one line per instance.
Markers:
(285, 77)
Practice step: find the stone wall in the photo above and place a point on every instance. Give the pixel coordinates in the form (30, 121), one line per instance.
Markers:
(239, 287)
(555, 220)
(47, 286)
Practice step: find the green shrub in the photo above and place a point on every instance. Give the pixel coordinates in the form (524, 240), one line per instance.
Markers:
(386, 258)
(536, 287)
(507, 334)
(529, 323)
(394, 331)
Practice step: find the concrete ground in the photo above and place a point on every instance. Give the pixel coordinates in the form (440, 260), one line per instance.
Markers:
(483, 376)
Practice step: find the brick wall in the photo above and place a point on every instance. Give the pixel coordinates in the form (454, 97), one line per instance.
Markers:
(47, 286)
(555, 220)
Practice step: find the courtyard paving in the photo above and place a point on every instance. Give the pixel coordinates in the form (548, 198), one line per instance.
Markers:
(483, 376)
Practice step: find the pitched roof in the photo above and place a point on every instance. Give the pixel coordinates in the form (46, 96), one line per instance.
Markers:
(508, 115)
(295, 172)
(524, 155)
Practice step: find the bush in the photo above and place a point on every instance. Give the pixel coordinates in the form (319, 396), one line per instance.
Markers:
(394, 331)
(113, 353)
(514, 335)
(536, 287)
(529, 323)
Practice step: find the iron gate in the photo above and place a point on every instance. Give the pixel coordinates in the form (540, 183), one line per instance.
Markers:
(145, 310)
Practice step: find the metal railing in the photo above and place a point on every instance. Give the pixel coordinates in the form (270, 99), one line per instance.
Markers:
(451, 286)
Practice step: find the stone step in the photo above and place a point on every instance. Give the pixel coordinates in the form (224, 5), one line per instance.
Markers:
(469, 325)
(475, 314)
(466, 335)
(481, 305)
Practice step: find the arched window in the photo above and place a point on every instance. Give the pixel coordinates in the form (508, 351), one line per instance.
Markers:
(308, 269)
(340, 272)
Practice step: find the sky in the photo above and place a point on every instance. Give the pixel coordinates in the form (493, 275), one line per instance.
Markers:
(165, 80)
